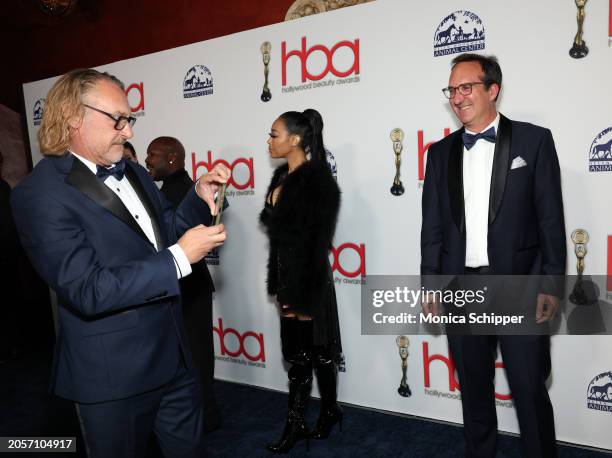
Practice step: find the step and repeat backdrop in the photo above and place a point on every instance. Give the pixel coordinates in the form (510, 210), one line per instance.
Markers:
(370, 69)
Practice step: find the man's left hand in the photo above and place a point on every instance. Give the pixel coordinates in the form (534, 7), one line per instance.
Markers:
(546, 308)
(209, 184)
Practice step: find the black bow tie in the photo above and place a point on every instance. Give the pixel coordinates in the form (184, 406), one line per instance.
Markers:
(118, 171)
(470, 140)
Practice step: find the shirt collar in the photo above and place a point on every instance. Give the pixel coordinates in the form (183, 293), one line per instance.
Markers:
(90, 165)
(495, 124)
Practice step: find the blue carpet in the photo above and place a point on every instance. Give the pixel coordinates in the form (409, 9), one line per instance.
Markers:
(252, 418)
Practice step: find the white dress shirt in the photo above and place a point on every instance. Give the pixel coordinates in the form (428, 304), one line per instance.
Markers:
(123, 189)
(477, 170)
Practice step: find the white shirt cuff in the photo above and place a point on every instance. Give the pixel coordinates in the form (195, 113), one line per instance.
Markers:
(183, 268)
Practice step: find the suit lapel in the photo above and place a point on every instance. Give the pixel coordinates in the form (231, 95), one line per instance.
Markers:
(147, 204)
(82, 179)
(501, 167)
(455, 182)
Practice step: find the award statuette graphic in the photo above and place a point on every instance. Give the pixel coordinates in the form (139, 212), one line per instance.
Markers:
(397, 135)
(579, 48)
(580, 237)
(266, 47)
(578, 296)
(402, 345)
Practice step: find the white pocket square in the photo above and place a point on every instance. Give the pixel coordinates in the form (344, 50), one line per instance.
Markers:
(518, 162)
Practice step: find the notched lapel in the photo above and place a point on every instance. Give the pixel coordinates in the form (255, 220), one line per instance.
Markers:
(455, 182)
(82, 179)
(501, 166)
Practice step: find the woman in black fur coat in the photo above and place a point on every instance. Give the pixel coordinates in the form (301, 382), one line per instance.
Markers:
(300, 215)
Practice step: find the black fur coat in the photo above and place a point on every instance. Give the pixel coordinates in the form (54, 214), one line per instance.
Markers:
(301, 228)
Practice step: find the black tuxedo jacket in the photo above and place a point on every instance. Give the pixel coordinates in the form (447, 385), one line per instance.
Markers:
(526, 232)
(121, 330)
(175, 187)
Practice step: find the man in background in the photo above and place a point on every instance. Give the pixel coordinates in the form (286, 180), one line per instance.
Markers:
(129, 152)
(166, 162)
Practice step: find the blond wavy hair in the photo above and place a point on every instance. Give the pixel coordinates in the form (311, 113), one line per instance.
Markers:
(64, 106)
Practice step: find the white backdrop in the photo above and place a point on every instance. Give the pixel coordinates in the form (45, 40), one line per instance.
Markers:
(394, 80)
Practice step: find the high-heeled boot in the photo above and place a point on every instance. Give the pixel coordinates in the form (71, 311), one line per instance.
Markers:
(297, 349)
(327, 378)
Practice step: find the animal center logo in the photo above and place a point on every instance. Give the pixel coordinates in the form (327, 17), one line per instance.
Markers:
(197, 82)
(600, 154)
(212, 258)
(461, 31)
(331, 163)
(599, 393)
(39, 108)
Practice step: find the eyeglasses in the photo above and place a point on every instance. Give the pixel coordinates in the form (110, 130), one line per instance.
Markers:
(120, 121)
(464, 89)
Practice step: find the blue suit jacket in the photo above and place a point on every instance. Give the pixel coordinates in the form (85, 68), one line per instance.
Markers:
(120, 321)
(526, 224)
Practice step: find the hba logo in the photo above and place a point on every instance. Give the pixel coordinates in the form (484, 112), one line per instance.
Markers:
(235, 344)
(329, 65)
(243, 175)
(349, 259)
(135, 95)
(453, 384)
(423, 148)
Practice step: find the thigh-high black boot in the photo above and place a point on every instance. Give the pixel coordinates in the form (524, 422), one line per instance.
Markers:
(296, 338)
(326, 371)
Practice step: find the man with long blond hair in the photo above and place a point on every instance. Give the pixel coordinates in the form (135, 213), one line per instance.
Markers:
(102, 236)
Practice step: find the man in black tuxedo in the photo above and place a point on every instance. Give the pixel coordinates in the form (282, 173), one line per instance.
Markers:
(166, 162)
(100, 233)
(492, 204)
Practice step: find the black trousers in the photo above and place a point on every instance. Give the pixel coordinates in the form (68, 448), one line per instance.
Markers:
(527, 363)
(123, 428)
(197, 312)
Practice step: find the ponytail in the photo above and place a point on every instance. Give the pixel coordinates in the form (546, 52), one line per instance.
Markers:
(317, 149)
(309, 126)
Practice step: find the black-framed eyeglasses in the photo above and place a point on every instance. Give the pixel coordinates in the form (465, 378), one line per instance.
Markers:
(120, 121)
(464, 89)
